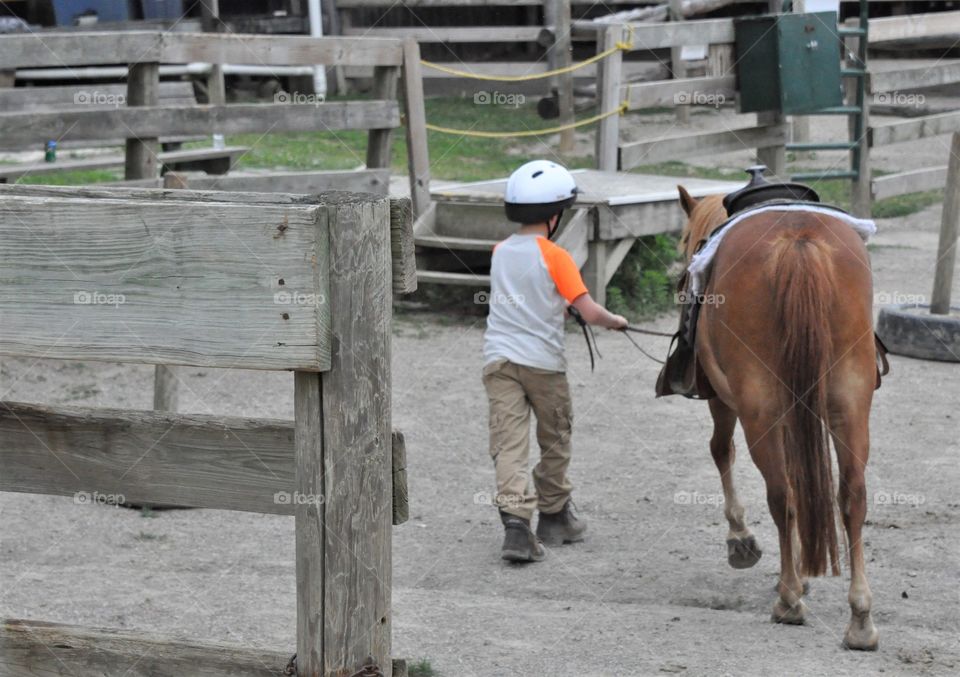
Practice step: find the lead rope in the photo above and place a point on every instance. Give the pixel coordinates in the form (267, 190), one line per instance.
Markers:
(587, 334)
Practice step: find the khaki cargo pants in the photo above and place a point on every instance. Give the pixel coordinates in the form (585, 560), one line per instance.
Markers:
(513, 390)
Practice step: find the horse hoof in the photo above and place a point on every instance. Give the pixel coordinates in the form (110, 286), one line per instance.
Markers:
(789, 615)
(743, 553)
(861, 634)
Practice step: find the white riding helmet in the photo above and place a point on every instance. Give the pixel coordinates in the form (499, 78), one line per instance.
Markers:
(539, 190)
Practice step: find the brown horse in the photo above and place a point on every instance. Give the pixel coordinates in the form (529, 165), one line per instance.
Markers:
(788, 347)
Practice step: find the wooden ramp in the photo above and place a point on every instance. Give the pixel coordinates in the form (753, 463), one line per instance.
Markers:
(455, 239)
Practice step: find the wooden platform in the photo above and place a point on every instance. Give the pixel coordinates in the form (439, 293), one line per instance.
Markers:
(611, 211)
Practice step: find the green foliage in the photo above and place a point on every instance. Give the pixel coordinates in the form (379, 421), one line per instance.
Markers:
(644, 286)
(421, 668)
(904, 205)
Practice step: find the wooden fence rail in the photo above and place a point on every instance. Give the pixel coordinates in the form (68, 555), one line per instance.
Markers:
(184, 293)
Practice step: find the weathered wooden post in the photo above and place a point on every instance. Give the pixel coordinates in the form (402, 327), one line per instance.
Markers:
(210, 22)
(949, 224)
(379, 141)
(557, 15)
(143, 89)
(677, 67)
(418, 155)
(608, 94)
(343, 454)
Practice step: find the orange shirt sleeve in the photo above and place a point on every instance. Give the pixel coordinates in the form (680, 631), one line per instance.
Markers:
(563, 269)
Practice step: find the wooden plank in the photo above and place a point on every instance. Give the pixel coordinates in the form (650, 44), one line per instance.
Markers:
(39, 648)
(608, 98)
(402, 246)
(379, 141)
(164, 282)
(771, 152)
(649, 36)
(595, 270)
(418, 154)
(177, 93)
(152, 121)
(55, 50)
(456, 243)
(279, 50)
(949, 229)
(358, 181)
(914, 181)
(917, 128)
(686, 145)
(152, 457)
(103, 191)
(705, 91)
(401, 503)
(557, 16)
(344, 455)
(443, 277)
(616, 255)
(885, 81)
(914, 26)
(431, 34)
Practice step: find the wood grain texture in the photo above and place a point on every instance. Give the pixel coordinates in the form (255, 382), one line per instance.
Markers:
(357, 467)
(38, 649)
(401, 501)
(684, 145)
(178, 93)
(143, 89)
(164, 282)
(608, 89)
(402, 246)
(687, 91)
(379, 141)
(98, 48)
(221, 462)
(418, 155)
(154, 121)
(917, 128)
(949, 229)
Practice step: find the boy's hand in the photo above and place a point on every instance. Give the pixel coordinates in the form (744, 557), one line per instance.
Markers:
(618, 322)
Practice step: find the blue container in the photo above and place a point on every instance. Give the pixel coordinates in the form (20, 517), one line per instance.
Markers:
(67, 11)
(162, 9)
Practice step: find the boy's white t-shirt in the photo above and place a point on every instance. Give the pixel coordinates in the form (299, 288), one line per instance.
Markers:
(531, 282)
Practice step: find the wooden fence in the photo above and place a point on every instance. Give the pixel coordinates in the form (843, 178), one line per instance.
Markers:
(143, 119)
(151, 282)
(768, 134)
(907, 82)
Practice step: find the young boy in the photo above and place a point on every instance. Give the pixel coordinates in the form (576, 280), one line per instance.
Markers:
(532, 280)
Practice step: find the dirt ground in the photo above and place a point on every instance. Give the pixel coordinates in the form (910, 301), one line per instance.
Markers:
(649, 592)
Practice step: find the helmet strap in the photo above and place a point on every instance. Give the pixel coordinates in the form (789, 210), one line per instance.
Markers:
(552, 230)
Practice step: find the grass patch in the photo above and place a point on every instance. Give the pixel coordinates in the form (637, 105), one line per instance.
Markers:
(422, 668)
(904, 205)
(452, 157)
(644, 286)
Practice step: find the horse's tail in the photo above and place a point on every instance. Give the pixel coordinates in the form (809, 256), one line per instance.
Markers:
(805, 284)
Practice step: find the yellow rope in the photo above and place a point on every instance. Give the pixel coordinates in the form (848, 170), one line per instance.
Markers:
(621, 109)
(626, 46)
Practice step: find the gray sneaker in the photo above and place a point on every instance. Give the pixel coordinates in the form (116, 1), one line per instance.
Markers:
(561, 527)
(519, 543)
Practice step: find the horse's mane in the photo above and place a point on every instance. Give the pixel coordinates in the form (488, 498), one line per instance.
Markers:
(708, 214)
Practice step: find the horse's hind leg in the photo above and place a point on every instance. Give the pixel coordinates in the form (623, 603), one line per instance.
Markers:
(766, 447)
(852, 441)
(742, 549)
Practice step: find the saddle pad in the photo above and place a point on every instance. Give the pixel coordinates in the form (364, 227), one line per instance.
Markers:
(700, 263)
